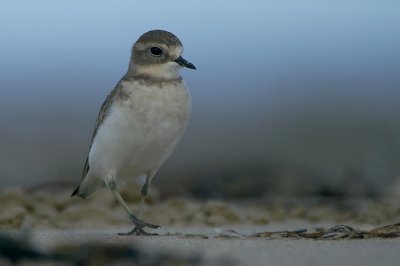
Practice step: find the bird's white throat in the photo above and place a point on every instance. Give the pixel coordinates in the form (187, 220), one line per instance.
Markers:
(169, 70)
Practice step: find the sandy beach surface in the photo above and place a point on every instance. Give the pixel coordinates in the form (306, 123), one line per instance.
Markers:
(48, 228)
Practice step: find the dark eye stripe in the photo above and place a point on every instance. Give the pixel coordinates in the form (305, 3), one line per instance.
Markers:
(156, 51)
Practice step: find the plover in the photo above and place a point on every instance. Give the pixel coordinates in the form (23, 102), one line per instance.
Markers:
(140, 122)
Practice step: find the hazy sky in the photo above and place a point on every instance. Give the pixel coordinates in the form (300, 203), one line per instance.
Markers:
(53, 49)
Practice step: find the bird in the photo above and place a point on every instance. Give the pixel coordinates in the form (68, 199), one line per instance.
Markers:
(140, 123)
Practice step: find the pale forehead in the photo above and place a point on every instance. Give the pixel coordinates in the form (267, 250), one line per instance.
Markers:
(176, 51)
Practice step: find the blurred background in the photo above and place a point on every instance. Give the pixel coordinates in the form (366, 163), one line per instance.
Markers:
(290, 97)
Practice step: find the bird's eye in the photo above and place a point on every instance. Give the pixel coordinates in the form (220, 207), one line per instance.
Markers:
(156, 51)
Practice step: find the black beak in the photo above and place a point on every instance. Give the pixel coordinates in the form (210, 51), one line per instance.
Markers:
(182, 62)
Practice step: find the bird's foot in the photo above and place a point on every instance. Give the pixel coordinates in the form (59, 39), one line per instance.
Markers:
(139, 225)
(138, 231)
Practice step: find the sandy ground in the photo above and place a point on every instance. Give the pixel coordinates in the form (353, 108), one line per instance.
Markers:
(47, 228)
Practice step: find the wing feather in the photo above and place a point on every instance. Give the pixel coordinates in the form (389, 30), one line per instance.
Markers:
(99, 121)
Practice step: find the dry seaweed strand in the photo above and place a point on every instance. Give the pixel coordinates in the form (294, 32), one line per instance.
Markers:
(336, 232)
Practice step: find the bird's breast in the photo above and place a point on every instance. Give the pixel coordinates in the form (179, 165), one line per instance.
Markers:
(143, 125)
(159, 107)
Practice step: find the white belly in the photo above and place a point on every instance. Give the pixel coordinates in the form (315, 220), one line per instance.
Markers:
(139, 132)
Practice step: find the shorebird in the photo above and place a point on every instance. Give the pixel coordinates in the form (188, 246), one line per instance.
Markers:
(140, 122)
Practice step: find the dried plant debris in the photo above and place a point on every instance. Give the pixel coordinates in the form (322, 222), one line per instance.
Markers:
(319, 233)
(187, 236)
(336, 232)
(18, 248)
(227, 234)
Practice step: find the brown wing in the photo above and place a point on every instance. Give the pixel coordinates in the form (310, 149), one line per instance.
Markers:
(100, 118)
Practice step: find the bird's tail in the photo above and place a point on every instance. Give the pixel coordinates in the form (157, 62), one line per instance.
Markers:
(75, 191)
(87, 187)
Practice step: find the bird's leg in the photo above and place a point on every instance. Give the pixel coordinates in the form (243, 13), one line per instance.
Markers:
(139, 224)
(145, 188)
